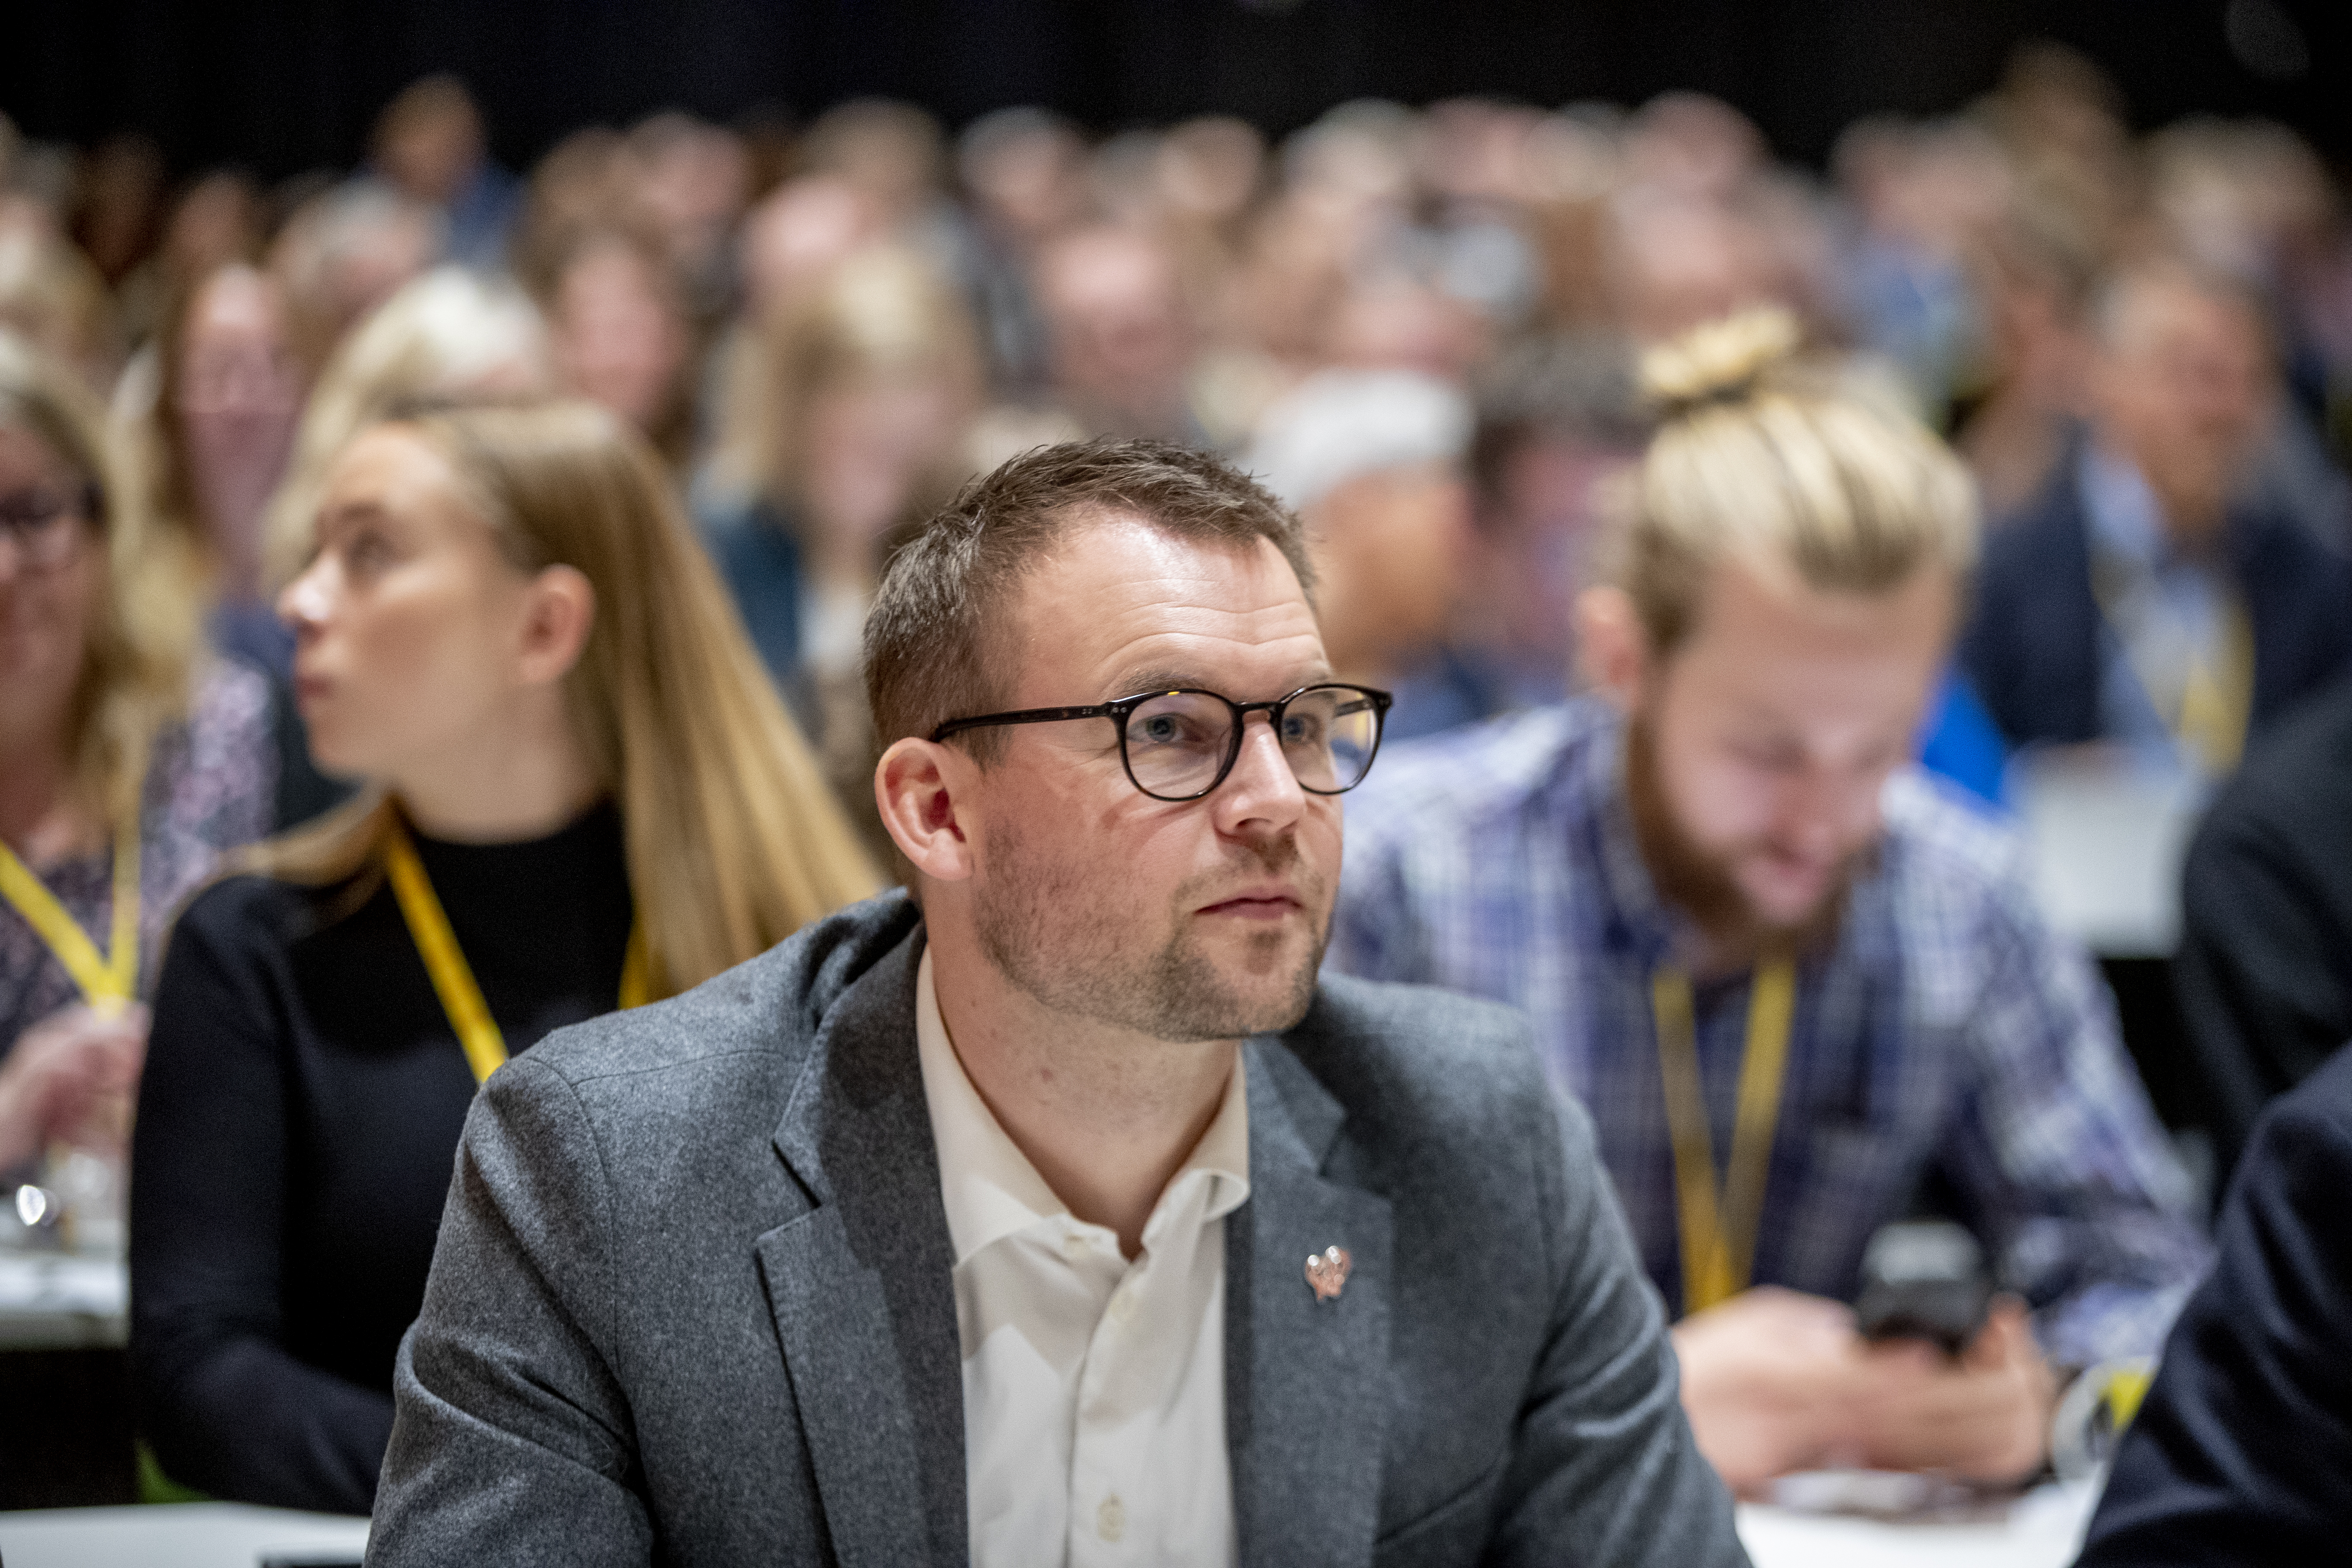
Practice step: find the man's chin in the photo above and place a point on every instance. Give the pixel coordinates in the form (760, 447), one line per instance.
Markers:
(1784, 910)
(1260, 997)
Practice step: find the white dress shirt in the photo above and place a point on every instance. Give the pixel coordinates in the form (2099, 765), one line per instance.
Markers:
(1093, 1388)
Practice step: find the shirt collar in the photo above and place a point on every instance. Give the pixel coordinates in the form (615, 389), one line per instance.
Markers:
(992, 1190)
(2125, 519)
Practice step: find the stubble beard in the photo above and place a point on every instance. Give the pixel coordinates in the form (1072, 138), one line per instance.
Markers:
(1058, 934)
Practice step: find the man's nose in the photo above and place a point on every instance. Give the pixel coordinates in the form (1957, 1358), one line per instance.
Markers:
(1262, 791)
(1822, 808)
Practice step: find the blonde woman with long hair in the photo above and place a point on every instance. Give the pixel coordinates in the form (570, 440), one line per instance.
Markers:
(448, 335)
(127, 765)
(578, 793)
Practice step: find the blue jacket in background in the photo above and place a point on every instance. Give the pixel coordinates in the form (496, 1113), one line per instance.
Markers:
(2032, 649)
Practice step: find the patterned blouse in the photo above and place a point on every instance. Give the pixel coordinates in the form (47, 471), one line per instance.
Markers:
(208, 791)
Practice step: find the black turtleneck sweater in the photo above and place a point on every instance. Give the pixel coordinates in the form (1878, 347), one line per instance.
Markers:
(297, 1125)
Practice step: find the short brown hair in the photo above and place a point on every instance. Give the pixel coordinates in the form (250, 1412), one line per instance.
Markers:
(932, 641)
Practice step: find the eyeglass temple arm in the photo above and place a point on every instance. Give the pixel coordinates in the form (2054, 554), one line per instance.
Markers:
(1021, 716)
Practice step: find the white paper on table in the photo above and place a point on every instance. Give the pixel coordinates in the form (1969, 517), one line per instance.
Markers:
(37, 1282)
(2106, 830)
(2043, 1528)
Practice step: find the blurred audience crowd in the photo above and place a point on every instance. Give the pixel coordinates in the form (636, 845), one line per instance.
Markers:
(829, 330)
(1419, 328)
(1420, 324)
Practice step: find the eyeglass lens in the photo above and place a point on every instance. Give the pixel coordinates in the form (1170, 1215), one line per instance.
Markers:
(1177, 743)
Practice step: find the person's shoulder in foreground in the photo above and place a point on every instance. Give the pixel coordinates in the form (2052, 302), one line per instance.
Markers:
(2264, 968)
(649, 1204)
(2243, 1452)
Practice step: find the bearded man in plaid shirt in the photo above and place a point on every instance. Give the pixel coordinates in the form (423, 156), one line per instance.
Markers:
(1792, 981)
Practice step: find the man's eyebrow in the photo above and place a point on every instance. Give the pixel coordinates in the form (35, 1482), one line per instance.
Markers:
(1169, 678)
(1158, 678)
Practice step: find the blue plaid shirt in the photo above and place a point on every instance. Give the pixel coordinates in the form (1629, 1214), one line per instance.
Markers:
(1945, 1028)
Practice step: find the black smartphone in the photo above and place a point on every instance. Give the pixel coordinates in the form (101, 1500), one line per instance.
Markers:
(1924, 1279)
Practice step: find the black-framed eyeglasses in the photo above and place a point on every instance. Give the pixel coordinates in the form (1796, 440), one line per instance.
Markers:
(43, 522)
(1180, 745)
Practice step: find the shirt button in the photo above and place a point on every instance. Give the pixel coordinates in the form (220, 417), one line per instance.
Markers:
(1122, 1306)
(1074, 1244)
(1110, 1520)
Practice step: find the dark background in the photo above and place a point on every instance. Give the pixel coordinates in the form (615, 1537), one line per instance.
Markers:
(280, 86)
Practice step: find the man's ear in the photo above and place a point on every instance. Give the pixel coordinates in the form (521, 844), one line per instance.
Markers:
(559, 612)
(1612, 645)
(915, 785)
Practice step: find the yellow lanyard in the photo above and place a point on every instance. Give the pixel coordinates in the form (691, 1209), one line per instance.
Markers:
(107, 983)
(2216, 696)
(2215, 704)
(1719, 1223)
(445, 962)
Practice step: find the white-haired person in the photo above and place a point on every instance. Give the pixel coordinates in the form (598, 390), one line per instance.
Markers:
(1798, 984)
(578, 792)
(1374, 464)
(129, 761)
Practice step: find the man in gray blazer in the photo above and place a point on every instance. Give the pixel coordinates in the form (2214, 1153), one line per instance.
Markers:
(1056, 1214)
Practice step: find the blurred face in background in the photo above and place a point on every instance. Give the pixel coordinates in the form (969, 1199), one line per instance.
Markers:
(122, 198)
(1759, 748)
(869, 443)
(1678, 263)
(2181, 386)
(51, 573)
(690, 181)
(1389, 548)
(1534, 541)
(413, 630)
(795, 237)
(240, 394)
(1026, 174)
(1208, 170)
(1122, 341)
(889, 151)
(218, 221)
(617, 333)
(1401, 324)
(430, 142)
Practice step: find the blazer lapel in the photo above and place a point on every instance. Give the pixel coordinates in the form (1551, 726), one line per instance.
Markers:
(862, 1286)
(1305, 1379)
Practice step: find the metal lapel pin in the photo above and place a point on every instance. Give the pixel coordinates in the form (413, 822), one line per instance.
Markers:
(1327, 1272)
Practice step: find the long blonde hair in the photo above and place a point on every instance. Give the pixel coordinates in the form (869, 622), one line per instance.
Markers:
(143, 637)
(1758, 454)
(733, 841)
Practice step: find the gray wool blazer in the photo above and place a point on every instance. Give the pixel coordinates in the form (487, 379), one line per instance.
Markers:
(692, 1301)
